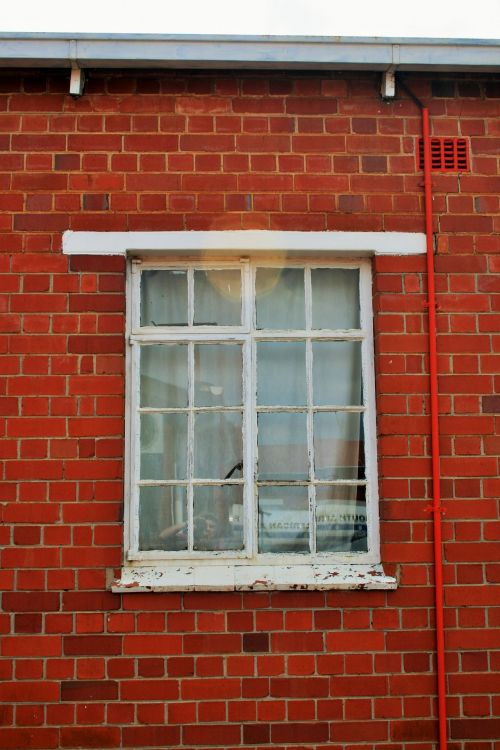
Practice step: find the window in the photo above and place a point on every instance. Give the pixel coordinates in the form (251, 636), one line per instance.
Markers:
(251, 425)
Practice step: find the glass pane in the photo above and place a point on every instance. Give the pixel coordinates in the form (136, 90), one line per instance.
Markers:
(218, 517)
(218, 445)
(164, 298)
(283, 519)
(282, 444)
(217, 298)
(281, 373)
(341, 519)
(335, 297)
(338, 445)
(163, 446)
(162, 518)
(218, 371)
(164, 375)
(279, 298)
(337, 373)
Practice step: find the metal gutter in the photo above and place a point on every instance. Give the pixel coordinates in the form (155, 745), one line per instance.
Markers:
(20, 49)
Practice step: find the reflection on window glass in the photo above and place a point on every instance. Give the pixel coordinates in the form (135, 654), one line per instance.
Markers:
(283, 519)
(162, 518)
(338, 445)
(163, 446)
(281, 373)
(218, 444)
(282, 443)
(164, 376)
(335, 298)
(217, 298)
(341, 519)
(218, 517)
(337, 373)
(164, 300)
(218, 375)
(280, 301)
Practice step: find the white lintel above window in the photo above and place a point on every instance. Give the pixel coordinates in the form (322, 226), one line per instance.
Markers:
(233, 243)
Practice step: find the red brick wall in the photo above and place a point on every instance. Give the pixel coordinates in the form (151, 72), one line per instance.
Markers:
(82, 667)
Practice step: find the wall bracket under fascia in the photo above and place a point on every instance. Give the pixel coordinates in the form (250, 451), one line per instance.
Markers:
(77, 79)
(388, 85)
(76, 82)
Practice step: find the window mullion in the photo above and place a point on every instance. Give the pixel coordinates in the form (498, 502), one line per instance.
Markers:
(248, 450)
(310, 414)
(136, 452)
(249, 412)
(190, 446)
(369, 425)
(190, 290)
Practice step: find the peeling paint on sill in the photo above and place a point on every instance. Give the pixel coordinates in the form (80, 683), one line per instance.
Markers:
(253, 578)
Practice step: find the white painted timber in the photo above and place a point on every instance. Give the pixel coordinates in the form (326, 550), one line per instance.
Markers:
(252, 578)
(236, 242)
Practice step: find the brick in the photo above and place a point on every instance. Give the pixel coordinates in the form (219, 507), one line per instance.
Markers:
(96, 302)
(156, 736)
(89, 690)
(210, 687)
(478, 729)
(39, 181)
(243, 105)
(28, 623)
(66, 162)
(491, 404)
(375, 731)
(85, 645)
(297, 687)
(31, 601)
(28, 691)
(224, 644)
(90, 737)
(31, 645)
(39, 738)
(164, 644)
(300, 732)
(253, 642)
(38, 142)
(95, 202)
(291, 642)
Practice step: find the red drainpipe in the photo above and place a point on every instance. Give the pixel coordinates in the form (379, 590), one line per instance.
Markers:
(436, 507)
(436, 473)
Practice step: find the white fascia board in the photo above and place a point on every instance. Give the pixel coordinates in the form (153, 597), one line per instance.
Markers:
(241, 52)
(240, 241)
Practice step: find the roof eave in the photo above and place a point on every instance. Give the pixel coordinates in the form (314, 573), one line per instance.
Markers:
(247, 52)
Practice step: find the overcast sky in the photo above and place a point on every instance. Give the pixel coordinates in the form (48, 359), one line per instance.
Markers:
(425, 18)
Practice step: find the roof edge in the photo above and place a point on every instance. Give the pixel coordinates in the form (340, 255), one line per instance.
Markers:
(26, 49)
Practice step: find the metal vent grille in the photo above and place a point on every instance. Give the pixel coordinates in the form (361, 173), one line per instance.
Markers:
(447, 154)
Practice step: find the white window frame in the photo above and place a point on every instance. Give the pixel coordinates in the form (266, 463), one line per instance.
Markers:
(248, 569)
(142, 575)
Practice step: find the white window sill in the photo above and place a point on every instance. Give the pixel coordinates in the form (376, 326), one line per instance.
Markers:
(252, 578)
